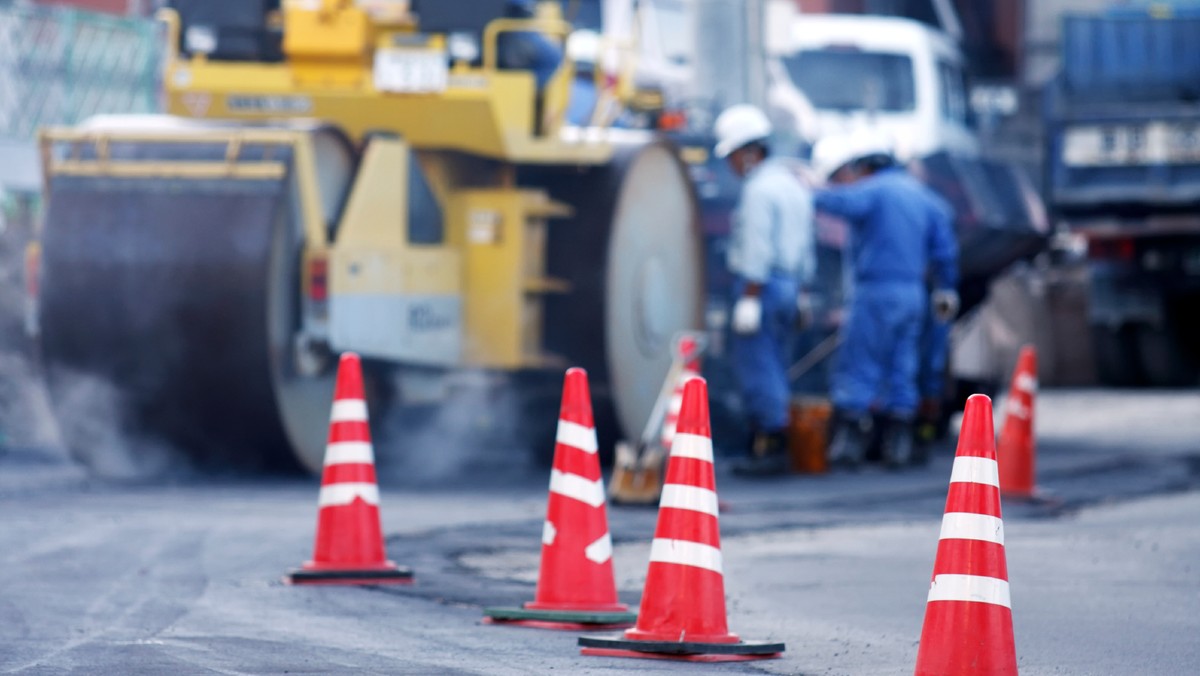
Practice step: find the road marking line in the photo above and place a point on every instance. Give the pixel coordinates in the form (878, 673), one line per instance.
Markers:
(349, 452)
(336, 495)
(692, 498)
(970, 588)
(349, 410)
(968, 526)
(686, 553)
(975, 470)
(576, 436)
(696, 446)
(600, 550)
(577, 488)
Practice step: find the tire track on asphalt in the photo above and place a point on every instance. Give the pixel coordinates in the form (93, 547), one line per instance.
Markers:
(150, 596)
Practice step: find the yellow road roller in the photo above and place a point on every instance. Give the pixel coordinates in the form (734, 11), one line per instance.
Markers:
(390, 178)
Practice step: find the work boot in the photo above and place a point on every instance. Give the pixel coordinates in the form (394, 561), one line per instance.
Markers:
(768, 456)
(848, 446)
(898, 442)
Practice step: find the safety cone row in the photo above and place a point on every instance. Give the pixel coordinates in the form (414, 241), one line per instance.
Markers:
(682, 614)
(576, 588)
(1017, 450)
(349, 544)
(689, 351)
(968, 627)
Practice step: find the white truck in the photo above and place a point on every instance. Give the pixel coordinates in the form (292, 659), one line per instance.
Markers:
(832, 73)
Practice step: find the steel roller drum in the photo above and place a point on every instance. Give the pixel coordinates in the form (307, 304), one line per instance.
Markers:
(633, 255)
(180, 296)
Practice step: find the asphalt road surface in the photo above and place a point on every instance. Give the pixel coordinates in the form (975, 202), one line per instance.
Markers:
(183, 576)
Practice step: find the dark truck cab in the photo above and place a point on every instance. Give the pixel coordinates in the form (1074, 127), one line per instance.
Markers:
(1123, 170)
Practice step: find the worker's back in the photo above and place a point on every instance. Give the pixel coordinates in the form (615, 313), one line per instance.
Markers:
(898, 225)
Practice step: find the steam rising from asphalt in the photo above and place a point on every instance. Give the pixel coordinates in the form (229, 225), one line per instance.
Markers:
(469, 427)
(87, 412)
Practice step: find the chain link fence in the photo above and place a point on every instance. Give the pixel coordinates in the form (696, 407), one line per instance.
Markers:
(58, 66)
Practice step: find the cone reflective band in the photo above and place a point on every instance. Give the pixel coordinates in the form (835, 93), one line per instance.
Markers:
(1017, 447)
(968, 614)
(576, 587)
(349, 543)
(682, 614)
(689, 352)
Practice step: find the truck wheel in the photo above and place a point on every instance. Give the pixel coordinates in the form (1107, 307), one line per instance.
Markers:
(1164, 361)
(1116, 356)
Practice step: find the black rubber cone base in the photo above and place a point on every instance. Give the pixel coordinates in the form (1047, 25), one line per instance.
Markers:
(679, 650)
(397, 575)
(569, 620)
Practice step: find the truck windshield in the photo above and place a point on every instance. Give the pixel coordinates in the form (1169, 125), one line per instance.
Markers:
(847, 80)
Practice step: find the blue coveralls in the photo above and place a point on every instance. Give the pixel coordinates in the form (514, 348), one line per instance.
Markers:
(899, 230)
(583, 101)
(771, 244)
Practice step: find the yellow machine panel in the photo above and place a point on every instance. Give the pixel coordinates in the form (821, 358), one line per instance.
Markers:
(390, 298)
(482, 110)
(505, 240)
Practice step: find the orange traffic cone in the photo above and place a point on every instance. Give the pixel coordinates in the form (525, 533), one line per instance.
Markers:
(968, 618)
(1017, 449)
(576, 588)
(683, 605)
(689, 351)
(349, 546)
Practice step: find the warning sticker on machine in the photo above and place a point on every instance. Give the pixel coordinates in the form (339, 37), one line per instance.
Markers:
(414, 329)
(268, 105)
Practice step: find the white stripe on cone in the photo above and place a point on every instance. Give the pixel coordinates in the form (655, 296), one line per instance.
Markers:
(686, 553)
(349, 452)
(691, 498)
(692, 446)
(1018, 410)
(336, 495)
(1027, 383)
(968, 526)
(600, 550)
(975, 470)
(975, 588)
(576, 436)
(578, 488)
(349, 410)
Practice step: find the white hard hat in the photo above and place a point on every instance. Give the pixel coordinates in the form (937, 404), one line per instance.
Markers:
(836, 151)
(583, 46)
(739, 125)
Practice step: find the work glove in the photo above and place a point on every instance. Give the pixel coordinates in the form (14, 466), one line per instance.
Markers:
(747, 315)
(805, 311)
(945, 304)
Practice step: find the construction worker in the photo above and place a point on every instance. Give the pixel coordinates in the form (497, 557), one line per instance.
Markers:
(527, 50)
(899, 231)
(583, 47)
(771, 256)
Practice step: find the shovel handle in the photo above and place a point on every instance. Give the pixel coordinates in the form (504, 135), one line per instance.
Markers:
(815, 356)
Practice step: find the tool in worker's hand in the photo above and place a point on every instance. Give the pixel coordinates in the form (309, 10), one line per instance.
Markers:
(815, 356)
(638, 469)
(809, 416)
